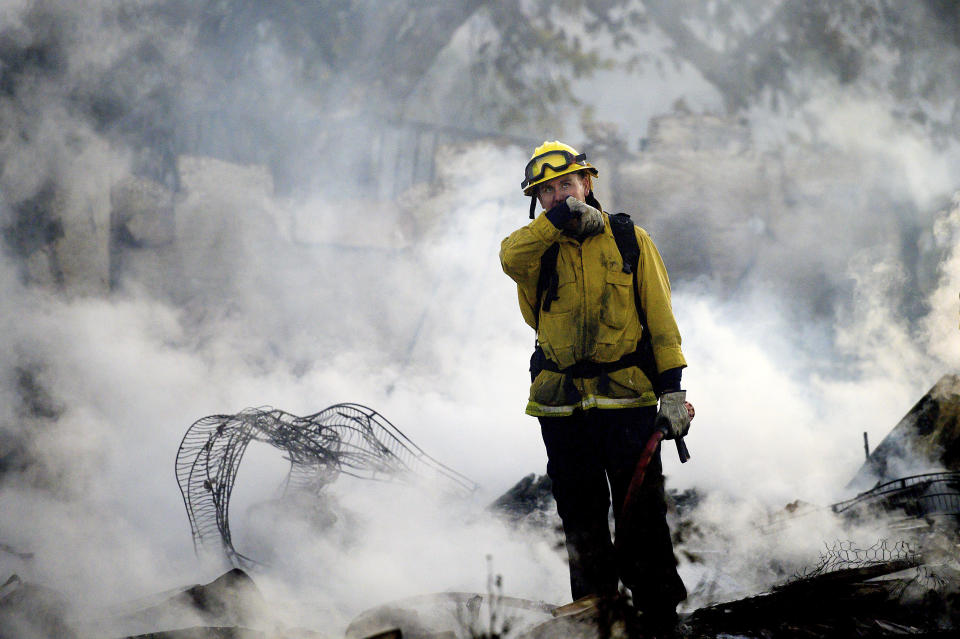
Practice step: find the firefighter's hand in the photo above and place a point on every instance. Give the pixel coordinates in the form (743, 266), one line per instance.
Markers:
(561, 216)
(673, 415)
(589, 221)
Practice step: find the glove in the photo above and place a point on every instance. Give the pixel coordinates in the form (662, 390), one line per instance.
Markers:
(589, 221)
(560, 215)
(673, 415)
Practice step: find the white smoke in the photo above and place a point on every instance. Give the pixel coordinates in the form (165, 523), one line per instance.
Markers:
(133, 372)
(251, 309)
(942, 323)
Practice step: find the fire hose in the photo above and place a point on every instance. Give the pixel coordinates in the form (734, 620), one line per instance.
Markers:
(640, 470)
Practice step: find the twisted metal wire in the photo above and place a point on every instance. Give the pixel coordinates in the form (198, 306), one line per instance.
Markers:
(928, 495)
(844, 555)
(345, 438)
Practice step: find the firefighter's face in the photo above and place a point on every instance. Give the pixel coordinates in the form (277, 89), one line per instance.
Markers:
(554, 191)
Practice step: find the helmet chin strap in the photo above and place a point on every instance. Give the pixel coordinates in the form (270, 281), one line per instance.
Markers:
(592, 201)
(533, 204)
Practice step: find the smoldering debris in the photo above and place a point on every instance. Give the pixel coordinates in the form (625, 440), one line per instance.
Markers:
(891, 596)
(29, 610)
(891, 588)
(908, 583)
(927, 438)
(882, 591)
(529, 501)
(231, 600)
(888, 599)
(928, 499)
(231, 605)
(905, 584)
(451, 614)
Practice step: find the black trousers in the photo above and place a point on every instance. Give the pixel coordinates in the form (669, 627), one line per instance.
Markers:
(587, 452)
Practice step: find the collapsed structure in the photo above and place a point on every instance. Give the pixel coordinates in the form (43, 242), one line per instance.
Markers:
(890, 589)
(915, 470)
(344, 438)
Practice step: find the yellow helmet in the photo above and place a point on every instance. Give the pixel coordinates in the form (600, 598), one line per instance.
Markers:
(550, 160)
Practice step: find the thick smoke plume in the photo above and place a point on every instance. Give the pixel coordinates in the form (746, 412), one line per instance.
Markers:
(193, 224)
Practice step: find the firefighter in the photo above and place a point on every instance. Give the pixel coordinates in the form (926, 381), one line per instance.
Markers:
(594, 385)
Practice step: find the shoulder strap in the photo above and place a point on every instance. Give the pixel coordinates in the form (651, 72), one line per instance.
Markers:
(547, 282)
(626, 238)
(625, 235)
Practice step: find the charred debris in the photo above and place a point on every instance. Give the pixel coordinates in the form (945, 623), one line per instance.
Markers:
(907, 584)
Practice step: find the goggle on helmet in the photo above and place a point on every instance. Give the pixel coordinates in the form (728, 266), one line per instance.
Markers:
(551, 160)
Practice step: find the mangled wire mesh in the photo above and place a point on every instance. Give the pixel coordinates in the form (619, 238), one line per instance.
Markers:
(845, 555)
(345, 438)
(844, 561)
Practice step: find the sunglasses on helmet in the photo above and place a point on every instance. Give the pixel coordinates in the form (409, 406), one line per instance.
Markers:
(556, 161)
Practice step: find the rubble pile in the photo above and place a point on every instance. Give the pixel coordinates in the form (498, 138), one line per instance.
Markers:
(528, 503)
(31, 610)
(890, 599)
(907, 585)
(926, 439)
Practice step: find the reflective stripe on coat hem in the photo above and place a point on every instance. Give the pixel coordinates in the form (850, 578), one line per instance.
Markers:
(591, 401)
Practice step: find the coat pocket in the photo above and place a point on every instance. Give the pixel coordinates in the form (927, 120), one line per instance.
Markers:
(616, 305)
(630, 382)
(547, 389)
(557, 336)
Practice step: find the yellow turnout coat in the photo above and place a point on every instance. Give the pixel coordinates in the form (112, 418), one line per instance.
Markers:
(594, 318)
